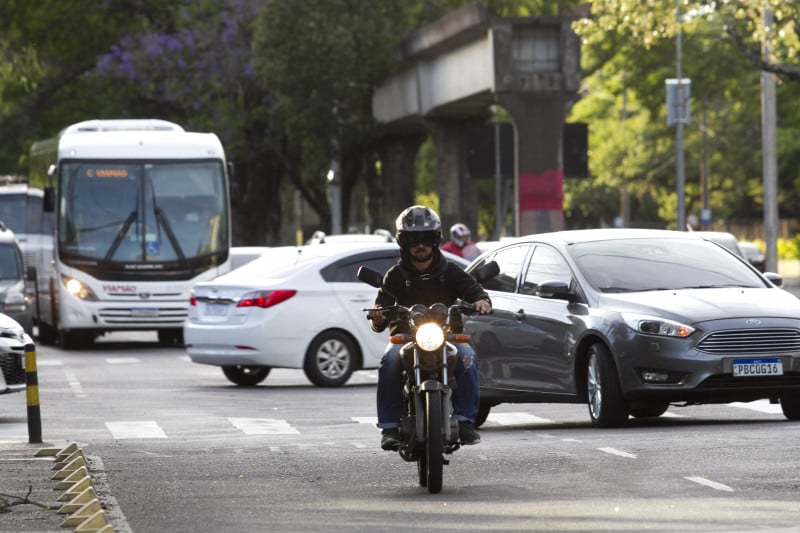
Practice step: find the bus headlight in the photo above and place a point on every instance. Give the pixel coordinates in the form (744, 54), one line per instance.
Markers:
(78, 289)
(429, 337)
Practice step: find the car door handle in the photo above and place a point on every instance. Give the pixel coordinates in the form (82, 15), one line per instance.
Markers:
(519, 315)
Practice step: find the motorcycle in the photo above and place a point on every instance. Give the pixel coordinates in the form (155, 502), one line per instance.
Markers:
(427, 430)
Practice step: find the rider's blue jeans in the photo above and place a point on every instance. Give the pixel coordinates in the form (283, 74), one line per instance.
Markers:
(466, 395)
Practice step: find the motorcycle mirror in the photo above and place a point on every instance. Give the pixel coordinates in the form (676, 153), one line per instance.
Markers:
(369, 276)
(487, 271)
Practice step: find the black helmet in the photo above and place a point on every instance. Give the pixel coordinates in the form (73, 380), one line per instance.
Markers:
(418, 224)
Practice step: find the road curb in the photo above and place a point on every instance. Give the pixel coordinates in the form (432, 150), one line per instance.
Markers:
(73, 473)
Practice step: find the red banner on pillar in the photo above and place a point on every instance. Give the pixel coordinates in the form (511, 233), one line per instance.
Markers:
(542, 191)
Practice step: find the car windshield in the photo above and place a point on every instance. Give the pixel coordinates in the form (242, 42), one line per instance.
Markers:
(634, 265)
(9, 262)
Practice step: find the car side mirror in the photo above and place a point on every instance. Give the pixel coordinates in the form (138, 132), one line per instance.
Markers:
(486, 272)
(553, 289)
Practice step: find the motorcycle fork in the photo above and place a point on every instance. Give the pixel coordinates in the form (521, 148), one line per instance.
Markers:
(432, 386)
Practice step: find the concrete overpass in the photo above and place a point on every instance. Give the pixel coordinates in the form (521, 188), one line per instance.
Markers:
(449, 74)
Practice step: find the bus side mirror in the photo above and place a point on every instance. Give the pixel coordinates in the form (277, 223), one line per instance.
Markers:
(233, 186)
(30, 273)
(49, 199)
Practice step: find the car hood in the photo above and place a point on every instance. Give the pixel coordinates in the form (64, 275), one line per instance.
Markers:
(6, 284)
(697, 305)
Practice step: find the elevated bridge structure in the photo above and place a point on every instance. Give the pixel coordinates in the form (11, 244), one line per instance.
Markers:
(449, 75)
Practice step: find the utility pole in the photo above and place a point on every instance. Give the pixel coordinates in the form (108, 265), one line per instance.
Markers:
(678, 103)
(680, 172)
(770, 151)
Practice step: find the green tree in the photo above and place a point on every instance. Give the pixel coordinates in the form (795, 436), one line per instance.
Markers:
(45, 62)
(629, 50)
(321, 69)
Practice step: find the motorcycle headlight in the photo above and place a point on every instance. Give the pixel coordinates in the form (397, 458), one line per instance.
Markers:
(429, 337)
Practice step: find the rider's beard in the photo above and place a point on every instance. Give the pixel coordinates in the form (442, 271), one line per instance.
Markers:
(420, 254)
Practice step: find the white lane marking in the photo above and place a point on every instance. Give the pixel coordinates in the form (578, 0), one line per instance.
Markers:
(373, 420)
(571, 440)
(122, 360)
(762, 406)
(74, 384)
(263, 426)
(14, 431)
(136, 429)
(358, 445)
(185, 358)
(49, 362)
(512, 419)
(709, 483)
(670, 414)
(614, 451)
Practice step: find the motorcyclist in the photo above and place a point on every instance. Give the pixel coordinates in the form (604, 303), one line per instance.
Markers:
(424, 276)
(460, 243)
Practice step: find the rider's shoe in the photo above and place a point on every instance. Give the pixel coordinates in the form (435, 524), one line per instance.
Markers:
(466, 431)
(390, 438)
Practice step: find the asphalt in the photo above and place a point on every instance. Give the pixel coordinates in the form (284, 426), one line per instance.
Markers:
(43, 489)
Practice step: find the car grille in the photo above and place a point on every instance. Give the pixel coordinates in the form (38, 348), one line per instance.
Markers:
(791, 380)
(162, 316)
(11, 366)
(751, 341)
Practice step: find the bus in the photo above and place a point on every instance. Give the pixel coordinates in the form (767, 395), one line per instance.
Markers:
(141, 212)
(21, 210)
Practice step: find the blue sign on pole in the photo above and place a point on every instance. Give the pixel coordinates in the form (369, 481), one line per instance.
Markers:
(705, 216)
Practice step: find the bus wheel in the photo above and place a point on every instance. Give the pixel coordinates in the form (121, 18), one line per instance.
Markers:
(170, 337)
(47, 334)
(74, 339)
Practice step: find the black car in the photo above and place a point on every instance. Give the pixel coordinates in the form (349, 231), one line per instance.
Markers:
(630, 321)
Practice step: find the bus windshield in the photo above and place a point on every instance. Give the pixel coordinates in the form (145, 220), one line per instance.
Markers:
(135, 214)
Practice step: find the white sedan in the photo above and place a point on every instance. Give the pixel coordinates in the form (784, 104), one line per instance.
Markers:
(13, 340)
(293, 307)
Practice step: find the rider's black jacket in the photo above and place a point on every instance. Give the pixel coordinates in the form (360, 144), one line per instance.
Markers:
(442, 282)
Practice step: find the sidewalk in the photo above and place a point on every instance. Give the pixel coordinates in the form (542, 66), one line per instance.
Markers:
(47, 488)
(26, 477)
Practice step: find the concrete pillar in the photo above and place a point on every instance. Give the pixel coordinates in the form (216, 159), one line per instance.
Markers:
(396, 185)
(538, 130)
(458, 193)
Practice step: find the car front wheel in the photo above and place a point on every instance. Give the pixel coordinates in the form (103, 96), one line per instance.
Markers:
(483, 414)
(648, 411)
(246, 376)
(330, 359)
(790, 405)
(606, 405)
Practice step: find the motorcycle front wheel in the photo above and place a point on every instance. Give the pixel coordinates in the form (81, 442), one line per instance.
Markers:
(433, 454)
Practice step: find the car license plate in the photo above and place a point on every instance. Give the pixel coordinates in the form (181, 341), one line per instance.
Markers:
(748, 368)
(216, 309)
(144, 312)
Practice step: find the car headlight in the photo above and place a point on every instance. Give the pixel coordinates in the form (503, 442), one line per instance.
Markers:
(429, 337)
(15, 302)
(76, 288)
(653, 325)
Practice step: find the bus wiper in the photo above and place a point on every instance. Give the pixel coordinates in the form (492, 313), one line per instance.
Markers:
(164, 221)
(121, 235)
